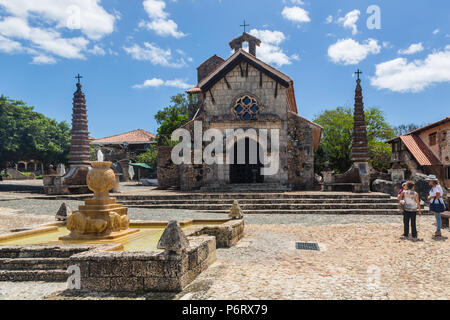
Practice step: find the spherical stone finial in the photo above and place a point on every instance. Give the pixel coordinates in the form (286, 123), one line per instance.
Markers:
(101, 179)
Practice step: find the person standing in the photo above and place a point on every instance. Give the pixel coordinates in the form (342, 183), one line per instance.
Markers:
(437, 205)
(411, 204)
(401, 202)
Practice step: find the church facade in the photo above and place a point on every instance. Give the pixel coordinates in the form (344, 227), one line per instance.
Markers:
(245, 93)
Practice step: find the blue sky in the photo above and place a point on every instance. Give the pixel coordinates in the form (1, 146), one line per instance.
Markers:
(135, 54)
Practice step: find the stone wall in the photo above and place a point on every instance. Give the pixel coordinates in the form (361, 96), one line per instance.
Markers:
(112, 271)
(300, 153)
(17, 175)
(227, 235)
(225, 97)
(168, 173)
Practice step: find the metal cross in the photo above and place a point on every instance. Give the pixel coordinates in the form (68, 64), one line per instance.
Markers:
(245, 25)
(358, 73)
(78, 77)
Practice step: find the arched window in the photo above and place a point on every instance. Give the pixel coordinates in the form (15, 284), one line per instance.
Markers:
(246, 108)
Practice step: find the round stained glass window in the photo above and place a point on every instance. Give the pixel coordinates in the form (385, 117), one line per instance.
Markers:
(246, 108)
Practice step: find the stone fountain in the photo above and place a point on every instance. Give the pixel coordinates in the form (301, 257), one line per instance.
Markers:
(101, 217)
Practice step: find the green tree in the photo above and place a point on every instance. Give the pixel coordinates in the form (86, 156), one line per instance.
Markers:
(171, 118)
(336, 145)
(149, 157)
(405, 128)
(26, 134)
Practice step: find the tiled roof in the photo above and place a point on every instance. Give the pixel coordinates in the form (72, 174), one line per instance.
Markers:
(194, 90)
(432, 125)
(133, 137)
(420, 151)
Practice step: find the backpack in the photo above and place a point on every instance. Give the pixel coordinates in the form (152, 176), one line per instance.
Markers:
(410, 201)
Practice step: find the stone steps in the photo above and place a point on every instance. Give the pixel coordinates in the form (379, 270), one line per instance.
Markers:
(270, 203)
(34, 263)
(233, 196)
(37, 263)
(15, 252)
(255, 201)
(277, 206)
(257, 187)
(34, 275)
(321, 211)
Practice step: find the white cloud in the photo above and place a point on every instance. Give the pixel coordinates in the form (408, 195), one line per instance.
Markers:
(156, 82)
(43, 59)
(160, 22)
(296, 14)
(155, 55)
(86, 15)
(48, 40)
(9, 46)
(414, 48)
(349, 51)
(329, 19)
(299, 2)
(350, 20)
(97, 51)
(270, 51)
(42, 27)
(399, 75)
(436, 31)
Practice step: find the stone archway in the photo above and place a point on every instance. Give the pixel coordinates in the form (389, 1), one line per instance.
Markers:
(246, 172)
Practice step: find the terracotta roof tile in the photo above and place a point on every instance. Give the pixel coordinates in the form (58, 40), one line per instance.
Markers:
(420, 151)
(132, 137)
(194, 90)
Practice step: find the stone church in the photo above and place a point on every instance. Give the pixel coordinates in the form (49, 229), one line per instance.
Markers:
(243, 92)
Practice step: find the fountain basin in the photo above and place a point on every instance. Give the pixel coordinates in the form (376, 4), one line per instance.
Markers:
(127, 264)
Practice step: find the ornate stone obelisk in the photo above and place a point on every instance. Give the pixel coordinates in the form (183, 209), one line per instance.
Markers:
(79, 156)
(360, 147)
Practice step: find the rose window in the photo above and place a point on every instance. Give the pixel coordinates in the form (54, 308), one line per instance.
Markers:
(246, 108)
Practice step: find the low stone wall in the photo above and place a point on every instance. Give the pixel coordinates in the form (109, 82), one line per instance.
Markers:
(17, 175)
(227, 234)
(111, 271)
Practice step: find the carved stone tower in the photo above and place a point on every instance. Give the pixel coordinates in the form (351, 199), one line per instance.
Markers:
(79, 146)
(360, 149)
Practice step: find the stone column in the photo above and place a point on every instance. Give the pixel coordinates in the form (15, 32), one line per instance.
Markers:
(79, 146)
(74, 181)
(360, 149)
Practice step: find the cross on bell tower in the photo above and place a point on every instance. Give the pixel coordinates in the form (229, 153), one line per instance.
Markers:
(358, 72)
(245, 25)
(253, 42)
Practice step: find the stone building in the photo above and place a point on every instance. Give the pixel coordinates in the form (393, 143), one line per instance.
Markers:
(121, 149)
(245, 93)
(425, 150)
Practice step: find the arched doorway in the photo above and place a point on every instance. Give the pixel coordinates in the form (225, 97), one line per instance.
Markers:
(247, 172)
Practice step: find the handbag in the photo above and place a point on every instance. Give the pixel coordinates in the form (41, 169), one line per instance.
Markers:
(437, 207)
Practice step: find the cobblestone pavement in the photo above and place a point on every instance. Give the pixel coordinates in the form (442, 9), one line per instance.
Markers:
(29, 290)
(355, 262)
(360, 257)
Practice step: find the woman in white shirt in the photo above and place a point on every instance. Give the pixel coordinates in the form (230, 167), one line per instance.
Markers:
(436, 193)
